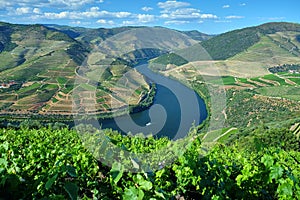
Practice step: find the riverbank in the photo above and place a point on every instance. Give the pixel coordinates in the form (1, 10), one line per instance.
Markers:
(15, 119)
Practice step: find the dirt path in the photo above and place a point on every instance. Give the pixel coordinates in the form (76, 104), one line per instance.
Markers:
(216, 139)
(275, 83)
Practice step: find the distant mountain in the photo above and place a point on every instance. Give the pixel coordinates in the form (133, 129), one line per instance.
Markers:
(234, 42)
(88, 35)
(196, 35)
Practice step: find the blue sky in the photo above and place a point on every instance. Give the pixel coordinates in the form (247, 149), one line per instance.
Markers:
(209, 16)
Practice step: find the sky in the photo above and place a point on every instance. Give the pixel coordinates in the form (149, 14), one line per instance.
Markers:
(208, 16)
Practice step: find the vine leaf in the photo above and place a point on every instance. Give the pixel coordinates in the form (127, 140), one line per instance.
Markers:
(72, 190)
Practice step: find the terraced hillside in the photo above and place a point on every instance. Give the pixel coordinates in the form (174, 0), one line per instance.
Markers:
(38, 70)
(57, 70)
(259, 71)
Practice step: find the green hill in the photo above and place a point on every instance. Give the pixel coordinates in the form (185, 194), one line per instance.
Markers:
(232, 43)
(30, 50)
(39, 65)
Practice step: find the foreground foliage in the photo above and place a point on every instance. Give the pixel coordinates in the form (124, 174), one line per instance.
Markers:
(53, 164)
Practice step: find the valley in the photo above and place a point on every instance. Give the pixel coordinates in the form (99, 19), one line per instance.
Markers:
(149, 113)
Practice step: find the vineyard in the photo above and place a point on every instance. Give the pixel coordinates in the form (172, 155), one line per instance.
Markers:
(54, 163)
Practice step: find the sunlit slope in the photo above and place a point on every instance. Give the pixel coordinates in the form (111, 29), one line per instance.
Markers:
(250, 52)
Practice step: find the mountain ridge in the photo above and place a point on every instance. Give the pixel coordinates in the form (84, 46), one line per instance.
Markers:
(231, 43)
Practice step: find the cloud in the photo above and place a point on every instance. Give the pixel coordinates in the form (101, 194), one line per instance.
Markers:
(76, 22)
(139, 19)
(4, 4)
(168, 5)
(71, 3)
(145, 18)
(147, 8)
(222, 21)
(186, 13)
(272, 18)
(61, 15)
(93, 12)
(226, 6)
(74, 4)
(176, 22)
(208, 16)
(243, 4)
(37, 11)
(105, 22)
(234, 17)
(175, 12)
(23, 10)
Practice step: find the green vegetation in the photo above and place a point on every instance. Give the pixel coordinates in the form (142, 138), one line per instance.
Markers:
(295, 80)
(30, 168)
(145, 102)
(253, 109)
(275, 78)
(284, 68)
(255, 155)
(229, 44)
(283, 92)
(170, 58)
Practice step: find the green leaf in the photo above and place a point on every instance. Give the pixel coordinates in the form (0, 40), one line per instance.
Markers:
(267, 161)
(72, 190)
(50, 182)
(145, 185)
(159, 194)
(3, 162)
(276, 172)
(285, 189)
(133, 194)
(116, 172)
(5, 145)
(71, 171)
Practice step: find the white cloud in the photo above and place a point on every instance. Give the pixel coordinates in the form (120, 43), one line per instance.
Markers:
(139, 19)
(222, 21)
(94, 12)
(176, 22)
(234, 17)
(23, 10)
(142, 18)
(70, 3)
(37, 11)
(226, 6)
(74, 4)
(208, 16)
(105, 22)
(272, 18)
(147, 8)
(243, 4)
(76, 22)
(4, 4)
(168, 5)
(61, 15)
(183, 14)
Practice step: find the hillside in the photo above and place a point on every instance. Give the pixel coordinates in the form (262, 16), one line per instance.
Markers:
(261, 78)
(88, 35)
(248, 52)
(41, 66)
(232, 43)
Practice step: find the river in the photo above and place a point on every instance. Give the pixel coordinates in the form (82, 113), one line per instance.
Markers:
(176, 108)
